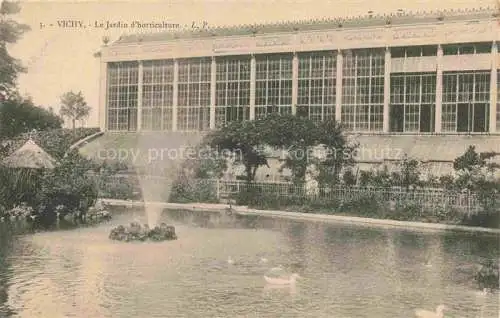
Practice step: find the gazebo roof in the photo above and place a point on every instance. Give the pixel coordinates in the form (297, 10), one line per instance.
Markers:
(30, 155)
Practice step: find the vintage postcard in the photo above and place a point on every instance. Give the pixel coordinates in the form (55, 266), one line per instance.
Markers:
(250, 158)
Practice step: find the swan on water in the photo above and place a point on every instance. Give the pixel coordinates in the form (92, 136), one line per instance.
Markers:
(230, 260)
(285, 280)
(277, 276)
(484, 292)
(439, 313)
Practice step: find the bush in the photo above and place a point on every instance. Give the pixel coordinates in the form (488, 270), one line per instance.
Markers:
(366, 206)
(186, 191)
(256, 198)
(20, 211)
(449, 215)
(248, 195)
(406, 211)
(70, 184)
(484, 218)
(349, 177)
(118, 190)
(19, 185)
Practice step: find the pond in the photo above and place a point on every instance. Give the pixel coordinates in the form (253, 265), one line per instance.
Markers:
(346, 271)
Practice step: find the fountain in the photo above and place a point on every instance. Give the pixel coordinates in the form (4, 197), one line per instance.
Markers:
(136, 232)
(156, 169)
(154, 191)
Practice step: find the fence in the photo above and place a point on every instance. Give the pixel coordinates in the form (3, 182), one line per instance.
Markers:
(429, 198)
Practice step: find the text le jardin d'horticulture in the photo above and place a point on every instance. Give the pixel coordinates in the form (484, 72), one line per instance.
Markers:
(107, 25)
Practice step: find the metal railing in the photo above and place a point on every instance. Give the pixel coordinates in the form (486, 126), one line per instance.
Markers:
(428, 198)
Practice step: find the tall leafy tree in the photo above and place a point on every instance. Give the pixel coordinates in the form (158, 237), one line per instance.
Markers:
(298, 136)
(243, 139)
(74, 107)
(17, 117)
(10, 32)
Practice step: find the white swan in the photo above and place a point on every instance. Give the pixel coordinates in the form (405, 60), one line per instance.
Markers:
(230, 260)
(484, 292)
(439, 313)
(263, 260)
(277, 276)
(284, 280)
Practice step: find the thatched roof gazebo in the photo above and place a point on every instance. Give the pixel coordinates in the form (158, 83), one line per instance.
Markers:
(30, 156)
(25, 169)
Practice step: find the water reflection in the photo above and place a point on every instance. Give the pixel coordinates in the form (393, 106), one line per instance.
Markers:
(286, 289)
(346, 271)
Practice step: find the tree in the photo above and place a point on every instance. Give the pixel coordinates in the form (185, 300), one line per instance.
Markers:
(10, 32)
(21, 116)
(74, 107)
(243, 140)
(409, 174)
(296, 135)
(474, 168)
(339, 153)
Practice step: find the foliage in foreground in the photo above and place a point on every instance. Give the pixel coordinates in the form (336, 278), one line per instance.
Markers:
(70, 188)
(70, 184)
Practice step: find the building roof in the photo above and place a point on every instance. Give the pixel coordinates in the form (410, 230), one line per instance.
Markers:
(400, 18)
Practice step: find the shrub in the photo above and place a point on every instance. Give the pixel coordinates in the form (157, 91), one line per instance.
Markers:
(449, 215)
(406, 211)
(484, 218)
(70, 185)
(349, 177)
(254, 197)
(248, 196)
(187, 191)
(118, 190)
(19, 185)
(366, 205)
(20, 211)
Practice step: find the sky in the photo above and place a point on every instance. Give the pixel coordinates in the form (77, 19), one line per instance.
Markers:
(62, 59)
